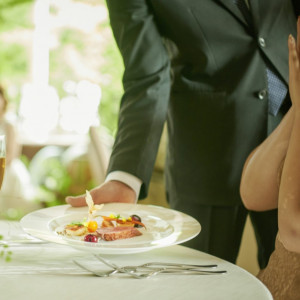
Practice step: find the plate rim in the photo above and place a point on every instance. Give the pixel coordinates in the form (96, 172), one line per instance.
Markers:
(45, 216)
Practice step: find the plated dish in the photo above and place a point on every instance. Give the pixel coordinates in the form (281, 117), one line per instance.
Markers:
(164, 227)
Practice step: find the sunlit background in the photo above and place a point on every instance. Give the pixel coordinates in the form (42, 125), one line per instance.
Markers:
(62, 74)
(57, 55)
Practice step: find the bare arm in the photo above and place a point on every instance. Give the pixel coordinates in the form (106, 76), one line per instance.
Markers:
(289, 193)
(271, 175)
(261, 174)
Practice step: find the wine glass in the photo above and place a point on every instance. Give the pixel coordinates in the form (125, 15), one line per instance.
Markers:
(2, 158)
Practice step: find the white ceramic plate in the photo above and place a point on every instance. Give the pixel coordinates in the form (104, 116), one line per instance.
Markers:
(165, 227)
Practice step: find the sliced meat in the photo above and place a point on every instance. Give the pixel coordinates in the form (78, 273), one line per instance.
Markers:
(117, 233)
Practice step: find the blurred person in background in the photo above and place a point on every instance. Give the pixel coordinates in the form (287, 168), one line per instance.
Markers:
(16, 191)
(8, 129)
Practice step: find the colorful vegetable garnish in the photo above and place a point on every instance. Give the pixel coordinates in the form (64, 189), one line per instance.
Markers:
(89, 229)
(92, 226)
(91, 238)
(77, 223)
(134, 219)
(137, 221)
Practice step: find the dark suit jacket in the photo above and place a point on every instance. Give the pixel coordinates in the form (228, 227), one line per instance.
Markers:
(200, 65)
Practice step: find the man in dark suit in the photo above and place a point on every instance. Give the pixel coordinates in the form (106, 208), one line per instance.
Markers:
(209, 68)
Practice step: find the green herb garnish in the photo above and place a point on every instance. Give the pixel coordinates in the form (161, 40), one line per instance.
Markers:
(5, 253)
(76, 223)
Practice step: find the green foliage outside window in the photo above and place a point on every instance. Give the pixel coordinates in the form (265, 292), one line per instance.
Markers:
(15, 57)
(103, 59)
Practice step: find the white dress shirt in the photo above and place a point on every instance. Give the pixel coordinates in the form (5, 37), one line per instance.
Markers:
(130, 180)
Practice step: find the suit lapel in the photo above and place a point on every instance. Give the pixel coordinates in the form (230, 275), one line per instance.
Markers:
(232, 7)
(265, 20)
(261, 11)
(266, 14)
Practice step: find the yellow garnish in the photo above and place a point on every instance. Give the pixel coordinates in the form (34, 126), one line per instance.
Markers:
(92, 226)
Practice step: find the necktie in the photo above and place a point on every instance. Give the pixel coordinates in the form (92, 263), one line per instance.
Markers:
(277, 89)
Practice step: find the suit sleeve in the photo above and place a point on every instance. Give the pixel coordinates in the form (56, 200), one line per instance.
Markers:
(146, 82)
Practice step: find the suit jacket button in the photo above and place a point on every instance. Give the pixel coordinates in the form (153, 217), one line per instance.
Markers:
(262, 42)
(262, 94)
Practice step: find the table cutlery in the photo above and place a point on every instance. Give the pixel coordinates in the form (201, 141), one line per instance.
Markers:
(175, 270)
(163, 266)
(192, 272)
(144, 270)
(178, 265)
(147, 274)
(115, 269)
(98, 273)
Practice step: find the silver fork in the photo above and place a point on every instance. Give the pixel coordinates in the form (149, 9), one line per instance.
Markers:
(177, 265)
(98, 273)
(147, 274)
(143, 271)
(178, 270)
(162, 265)
(170, 268)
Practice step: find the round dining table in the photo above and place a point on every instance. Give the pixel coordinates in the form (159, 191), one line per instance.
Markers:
(48, 271)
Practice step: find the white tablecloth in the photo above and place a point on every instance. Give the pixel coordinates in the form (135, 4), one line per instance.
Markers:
(46, 271)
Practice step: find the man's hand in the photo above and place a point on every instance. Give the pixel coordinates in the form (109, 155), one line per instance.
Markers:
(111, 191)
